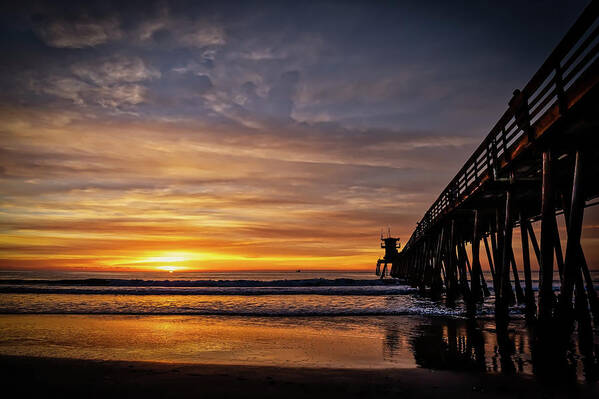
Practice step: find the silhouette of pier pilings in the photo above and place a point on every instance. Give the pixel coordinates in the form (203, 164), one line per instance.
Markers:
(538, 162)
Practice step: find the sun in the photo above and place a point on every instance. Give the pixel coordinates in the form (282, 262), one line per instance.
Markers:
(169, 268)
(168, 262)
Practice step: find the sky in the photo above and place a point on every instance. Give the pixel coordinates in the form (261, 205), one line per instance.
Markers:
(246, 135)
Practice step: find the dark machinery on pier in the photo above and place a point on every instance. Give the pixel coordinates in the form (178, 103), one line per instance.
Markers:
(539, 161)
(391, 245)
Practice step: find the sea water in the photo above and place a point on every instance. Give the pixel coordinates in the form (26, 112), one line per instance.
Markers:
(307, 319)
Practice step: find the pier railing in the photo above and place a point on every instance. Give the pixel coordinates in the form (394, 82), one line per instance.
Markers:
(545, 98)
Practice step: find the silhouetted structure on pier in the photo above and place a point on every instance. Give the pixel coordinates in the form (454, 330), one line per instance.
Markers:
(391, 245)
(539, 160)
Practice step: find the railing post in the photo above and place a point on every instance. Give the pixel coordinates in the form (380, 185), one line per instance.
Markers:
(494, 155)
(559, 89)
(526, 126)
(503, 143)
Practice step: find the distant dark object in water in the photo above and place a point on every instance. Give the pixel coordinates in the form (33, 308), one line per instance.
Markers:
(298, 271)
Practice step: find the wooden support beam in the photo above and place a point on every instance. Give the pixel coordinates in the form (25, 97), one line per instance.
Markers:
(466, 291)
(426, 273)
(415, 268)
(535, 243)
(592, 294)
(547, 242)
(467, 261)
(419, 256)
(572, 268)
(507, 242)
(490, 259)
(502, 300)
(462, 264)
(416, 265)
(495, 235)
(593, 300)
(415, 272)
(424, 260)
(476, 274)
(559, 257)
(444, 273)
(452, 284)
(502, 254)
(517, 286)
(497, 245)
(418, 273)
(419, 262)
(528, 291)
(436, 267)
(419, 269)
(484, 285)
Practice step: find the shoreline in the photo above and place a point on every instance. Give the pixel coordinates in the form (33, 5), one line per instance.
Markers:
(143, 379)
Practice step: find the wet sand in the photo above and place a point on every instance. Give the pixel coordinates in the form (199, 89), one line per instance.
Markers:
(64, 378)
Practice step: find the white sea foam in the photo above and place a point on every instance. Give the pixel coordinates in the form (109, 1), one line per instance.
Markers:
(251, 297)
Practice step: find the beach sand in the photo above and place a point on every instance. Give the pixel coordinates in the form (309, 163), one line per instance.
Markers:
(64, 378)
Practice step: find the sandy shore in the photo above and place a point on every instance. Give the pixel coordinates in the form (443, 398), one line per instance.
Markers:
(28, 376)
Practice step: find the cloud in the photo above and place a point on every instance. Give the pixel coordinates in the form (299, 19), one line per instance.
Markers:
(171, 28)
(260, 54)
(115, 70)
(112, 83)
(202, 36)
(91, 24)
(280, 96)
(63, 87)
(79, 33)
(119, 95)
(81, 93)
(246, 106)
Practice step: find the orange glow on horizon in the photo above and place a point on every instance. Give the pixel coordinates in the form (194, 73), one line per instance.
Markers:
(158, 203)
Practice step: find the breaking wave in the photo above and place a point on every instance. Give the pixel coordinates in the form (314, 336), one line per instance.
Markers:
(205, 287)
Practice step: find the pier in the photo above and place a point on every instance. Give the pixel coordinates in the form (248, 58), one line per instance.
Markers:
(539, 162)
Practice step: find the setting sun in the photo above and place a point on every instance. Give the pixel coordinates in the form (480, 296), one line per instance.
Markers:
(169, 269)
(165, 262)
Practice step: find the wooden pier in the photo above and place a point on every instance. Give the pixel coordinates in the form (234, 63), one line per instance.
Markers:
(539, 161)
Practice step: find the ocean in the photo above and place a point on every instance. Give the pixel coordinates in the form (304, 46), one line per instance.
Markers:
(309, 319)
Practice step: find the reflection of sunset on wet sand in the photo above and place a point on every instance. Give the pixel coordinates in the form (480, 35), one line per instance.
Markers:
(375, 342)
